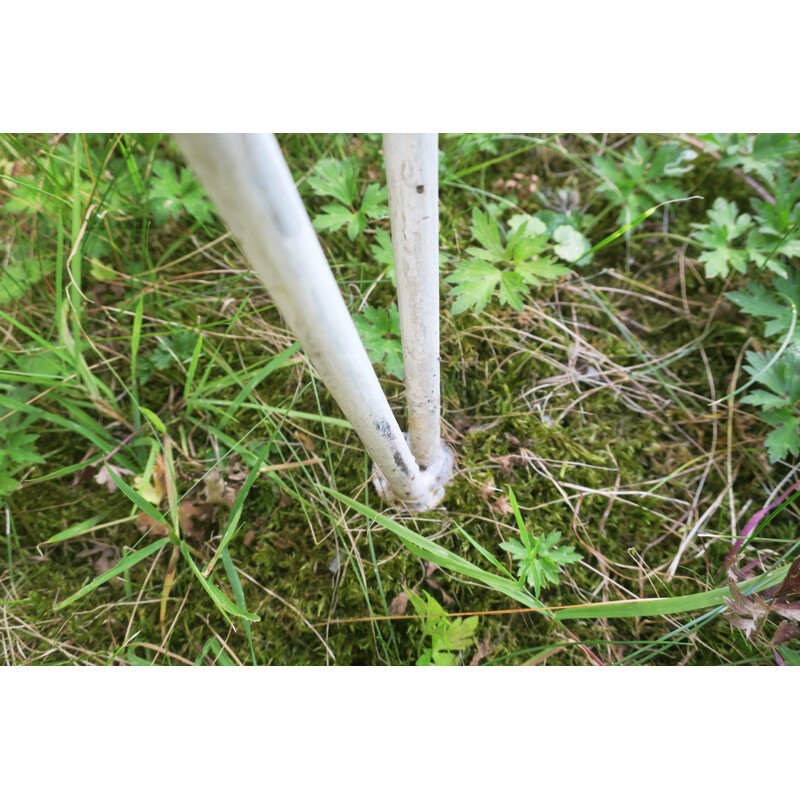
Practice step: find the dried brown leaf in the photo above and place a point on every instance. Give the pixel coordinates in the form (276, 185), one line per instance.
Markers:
(790, 587)
(398, 605)
(504, 462)
(786, 632)
(484, 649)
(160, 476)
(196, 520)
(237, 471)
(787, 610)
(502, 506)
(104, 478)
(146, 524)
(214, 486)
(108, 558)
(434, 584)
(745, 613)
(488, 490)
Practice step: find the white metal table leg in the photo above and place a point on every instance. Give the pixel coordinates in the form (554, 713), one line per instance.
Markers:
(248, 179)
(412, 173)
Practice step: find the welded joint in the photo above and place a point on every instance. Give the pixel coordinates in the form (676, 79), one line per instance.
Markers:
(427, 486)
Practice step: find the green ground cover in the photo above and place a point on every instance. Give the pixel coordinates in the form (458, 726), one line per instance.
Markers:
(619, 381)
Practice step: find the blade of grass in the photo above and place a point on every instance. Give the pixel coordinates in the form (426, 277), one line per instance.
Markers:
(441, 556)
(221, 600)
(140, 502)
(126, 563)
(238, 594)
(237, 507)
(78, 529)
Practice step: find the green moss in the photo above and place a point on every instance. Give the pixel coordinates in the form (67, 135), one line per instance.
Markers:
(545, 402)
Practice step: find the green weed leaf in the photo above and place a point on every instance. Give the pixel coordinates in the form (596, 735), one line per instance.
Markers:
(337, 179)
(571, 245)
(383, 252)
(539, 559)
(171, 195)
(380, 332)
(717, 239)
(779, 405)
(447, 637)
(509, 261)
(642, 176)
(763, 153)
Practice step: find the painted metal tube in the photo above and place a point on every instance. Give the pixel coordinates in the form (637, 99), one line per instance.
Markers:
(248, 179)
(412, 173)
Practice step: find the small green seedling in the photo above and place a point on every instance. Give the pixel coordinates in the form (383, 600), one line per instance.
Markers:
(539, 559)
(447, 637)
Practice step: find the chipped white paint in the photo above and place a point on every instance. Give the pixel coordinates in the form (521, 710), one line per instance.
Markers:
(247, 178)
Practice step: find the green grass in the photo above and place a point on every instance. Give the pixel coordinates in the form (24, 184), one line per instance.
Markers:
(152, 349)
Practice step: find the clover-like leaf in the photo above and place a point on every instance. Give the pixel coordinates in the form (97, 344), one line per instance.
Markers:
(572, 244)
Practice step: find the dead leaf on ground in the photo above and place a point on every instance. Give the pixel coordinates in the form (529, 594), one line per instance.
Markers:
(484, 649)
(786, 632)
(745, 613)
(218, 491)
(499, 503)
(103, 476)
(195, 519)
(502, 506)
(787, 610)
(790, 587)
(488, 491)
(88, 471)
(236, 471)
(504, 462)
(397, 608)
(160, 476)
(146, 524)
(434, 584)
(155, 489)
(108, 558)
